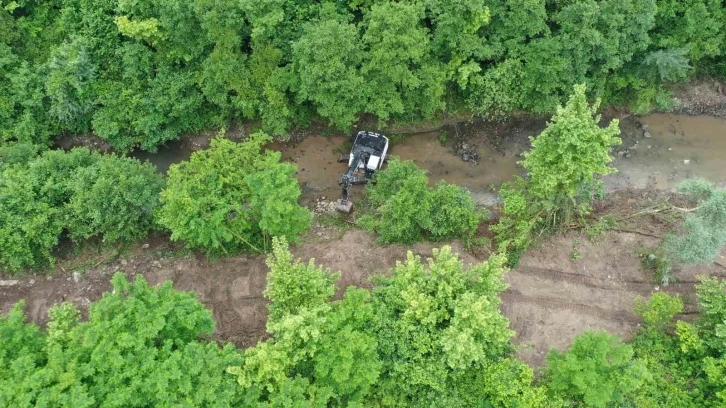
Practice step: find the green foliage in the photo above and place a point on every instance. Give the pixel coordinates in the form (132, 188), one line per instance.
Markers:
(686, 364)
(436, 327)
(292, 285)
(233, 196)
(114, 199)
(138, 348)
(81, 193)
(407, 211)
(321, 352)
(598, 371)
(562, 174)
(658, 311)
(327, 59)
(142, 73)
(705, 228)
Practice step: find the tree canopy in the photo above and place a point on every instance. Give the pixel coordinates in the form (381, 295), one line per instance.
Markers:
(141, 73)
(233, 196)
(428, 334)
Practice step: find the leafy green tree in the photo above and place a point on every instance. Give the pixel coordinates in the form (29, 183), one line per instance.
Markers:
(598, 370)
(401, 198)
(403, 79)
(436, 327)
(114, 199)
(407, 211)
(453, 212)
(562, 174)
(138, 348)
(697, 24)
(292, 285)
(327, 58)
(321, 353)
(80, 192)
(233, 196)
(705, 228)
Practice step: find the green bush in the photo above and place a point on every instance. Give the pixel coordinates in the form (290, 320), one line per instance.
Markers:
(407, 211)
(138, 348)
(233, 196)
(562, 175)
(705, 228)
(81, 193)
(598, 371)
(114, 199)
(453, 213)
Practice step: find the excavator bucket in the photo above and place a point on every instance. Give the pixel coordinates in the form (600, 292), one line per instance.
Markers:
(344, 206)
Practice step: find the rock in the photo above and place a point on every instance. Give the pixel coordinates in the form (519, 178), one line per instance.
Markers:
(644, 127)
(145, 246)
(8, 282)
(77, 276)
(31, 282)
(646, 134)
(124, 262)
(627, 155)
(156, 264)
(686, 161)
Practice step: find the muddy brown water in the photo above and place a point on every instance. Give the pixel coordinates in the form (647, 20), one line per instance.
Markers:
(680, 147)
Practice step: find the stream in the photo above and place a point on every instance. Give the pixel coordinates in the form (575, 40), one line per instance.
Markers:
(679, 147)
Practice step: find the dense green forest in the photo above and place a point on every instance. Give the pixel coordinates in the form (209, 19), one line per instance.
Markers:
(139, 73)
(429, 335)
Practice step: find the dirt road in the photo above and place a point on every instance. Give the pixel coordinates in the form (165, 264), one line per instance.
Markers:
(564, 286)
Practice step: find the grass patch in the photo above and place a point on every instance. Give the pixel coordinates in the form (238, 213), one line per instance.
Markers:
(600, 226)
(333, 221)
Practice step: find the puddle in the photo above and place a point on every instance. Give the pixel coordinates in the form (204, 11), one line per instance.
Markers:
(680, 147)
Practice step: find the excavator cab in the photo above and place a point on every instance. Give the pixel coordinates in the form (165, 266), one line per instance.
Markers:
(365, 159)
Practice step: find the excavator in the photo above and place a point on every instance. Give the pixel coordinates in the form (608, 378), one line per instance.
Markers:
(365, 159)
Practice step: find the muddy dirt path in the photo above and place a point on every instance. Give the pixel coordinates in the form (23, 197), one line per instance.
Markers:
(674, 148)
(551, 297)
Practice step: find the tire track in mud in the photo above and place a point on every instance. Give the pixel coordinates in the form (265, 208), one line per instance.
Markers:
(554, 301)
(513, 296)
(640, 286)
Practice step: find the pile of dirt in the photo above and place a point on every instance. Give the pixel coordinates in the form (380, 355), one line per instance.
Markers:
(324, 206)
(705, 98)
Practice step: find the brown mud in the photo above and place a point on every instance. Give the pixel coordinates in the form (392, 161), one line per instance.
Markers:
(565, 285)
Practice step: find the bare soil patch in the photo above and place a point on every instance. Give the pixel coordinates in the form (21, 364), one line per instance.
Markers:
(551, 297)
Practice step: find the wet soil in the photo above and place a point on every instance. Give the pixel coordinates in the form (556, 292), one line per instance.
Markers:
(553, 294)
(551, 297)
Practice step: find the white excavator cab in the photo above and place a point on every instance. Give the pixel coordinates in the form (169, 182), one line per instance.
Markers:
(365, 159)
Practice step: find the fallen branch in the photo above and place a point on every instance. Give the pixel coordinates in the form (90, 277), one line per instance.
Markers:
(637, 232)
(652, 210)
(717, 263)
(685, 209)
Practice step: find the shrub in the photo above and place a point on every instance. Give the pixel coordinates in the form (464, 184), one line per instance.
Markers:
(562, 174)
(138, 348)
(407, 211)
(80, 192)
(658, 311)
(233, 196)
(453, 213)
(705, 228)
(598, 371)
(114, 199)
(703, 232)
